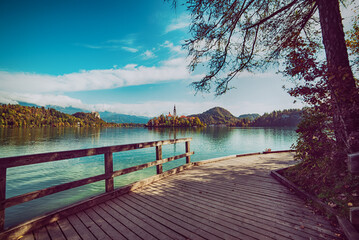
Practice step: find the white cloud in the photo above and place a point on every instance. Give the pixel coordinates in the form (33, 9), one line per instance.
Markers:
(178, 23)
(148, 55)
(173, 48)
(130, 75)
(42, 99)
(129, 49)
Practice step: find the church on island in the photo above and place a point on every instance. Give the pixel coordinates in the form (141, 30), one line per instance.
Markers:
(172, 120)
(175, 114)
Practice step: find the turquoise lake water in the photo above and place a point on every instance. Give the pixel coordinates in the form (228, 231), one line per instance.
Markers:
(210, 142)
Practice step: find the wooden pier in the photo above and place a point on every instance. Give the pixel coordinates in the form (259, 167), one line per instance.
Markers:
(231, 198)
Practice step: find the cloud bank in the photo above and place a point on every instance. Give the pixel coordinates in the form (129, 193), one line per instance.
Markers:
(130, 75)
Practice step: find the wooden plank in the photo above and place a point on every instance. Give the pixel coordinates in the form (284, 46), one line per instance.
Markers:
(224, 216)
(129, 224)
(245, 200)
(252, 195)
(55, 232)
(206, 221)
(109, 171)
(162, 219)
(8, 162)
(154, 225)
(28, 236)
(92, 226)
(51, 190)
(265, 193)
(2, 197)
(80, 228)
(288, 220)
(234, 200)
(119, 226)
(197, 226)
(41, 234)
(159, 157)
(68, 230)
(104, 224)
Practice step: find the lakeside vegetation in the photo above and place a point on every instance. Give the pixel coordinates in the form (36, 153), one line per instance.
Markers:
(221, 116)
(175, 121)
(24, 116)
(30, 116)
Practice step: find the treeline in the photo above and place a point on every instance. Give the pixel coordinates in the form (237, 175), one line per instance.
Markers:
(283, 118)
(23, 116)
(221, 116)
(166, 121)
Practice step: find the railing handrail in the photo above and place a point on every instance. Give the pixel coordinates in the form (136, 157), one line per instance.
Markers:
(108, 176)
(16, 161)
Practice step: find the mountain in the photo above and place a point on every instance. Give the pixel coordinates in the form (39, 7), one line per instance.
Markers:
(123, 118)
(250, 117)
(217, 116)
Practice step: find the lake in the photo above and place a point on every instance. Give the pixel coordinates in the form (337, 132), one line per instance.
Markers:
(210, 142)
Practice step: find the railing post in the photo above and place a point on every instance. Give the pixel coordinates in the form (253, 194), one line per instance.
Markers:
(109, 171)
(159, 157)
(2, 197)
(188, 158)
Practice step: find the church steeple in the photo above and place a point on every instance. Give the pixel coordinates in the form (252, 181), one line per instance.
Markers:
(174, 111)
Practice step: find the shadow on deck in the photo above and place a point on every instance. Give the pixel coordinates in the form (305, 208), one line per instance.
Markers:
(231, 199)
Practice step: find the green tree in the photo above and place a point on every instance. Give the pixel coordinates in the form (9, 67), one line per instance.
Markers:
(236, 35)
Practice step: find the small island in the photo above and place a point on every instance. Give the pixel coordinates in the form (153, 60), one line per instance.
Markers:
(172, 120)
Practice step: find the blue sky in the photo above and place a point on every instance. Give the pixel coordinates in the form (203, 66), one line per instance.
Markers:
(111, 55)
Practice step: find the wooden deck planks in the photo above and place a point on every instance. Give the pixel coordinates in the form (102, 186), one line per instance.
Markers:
(226, 217)
(252, 210)
(232, 199)
(55, 231)
(155, 226)
(68, 230)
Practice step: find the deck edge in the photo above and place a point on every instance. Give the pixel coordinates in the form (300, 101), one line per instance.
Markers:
(350, 232)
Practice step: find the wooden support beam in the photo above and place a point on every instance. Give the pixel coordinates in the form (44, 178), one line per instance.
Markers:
(353, 163)
(109, 171)
(188, 149)
(159, 157)
(354, 217)
(2, 197)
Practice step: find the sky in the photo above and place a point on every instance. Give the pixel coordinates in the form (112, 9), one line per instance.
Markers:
(115, 55)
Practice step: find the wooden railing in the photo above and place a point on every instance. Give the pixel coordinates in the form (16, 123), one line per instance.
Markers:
(108, 176)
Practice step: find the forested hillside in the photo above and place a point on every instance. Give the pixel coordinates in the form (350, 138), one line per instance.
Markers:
(216, 116)
(250, 117)
(25, 116)
(284, 118)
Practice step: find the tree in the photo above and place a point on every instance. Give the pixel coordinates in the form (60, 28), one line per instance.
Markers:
(236, 35)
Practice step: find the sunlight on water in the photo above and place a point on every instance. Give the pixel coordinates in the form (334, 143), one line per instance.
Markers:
(207, 143)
